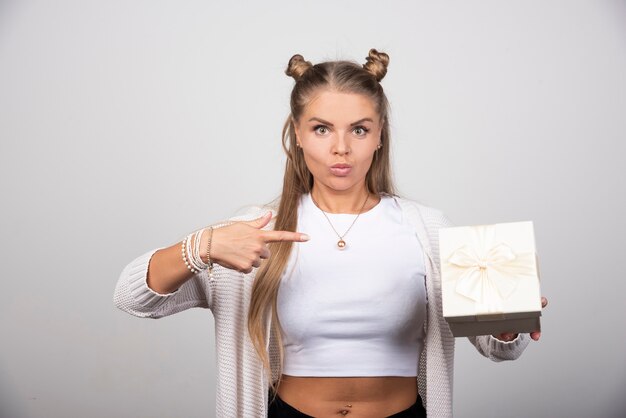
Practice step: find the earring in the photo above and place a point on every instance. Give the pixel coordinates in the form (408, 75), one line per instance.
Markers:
(380, 145)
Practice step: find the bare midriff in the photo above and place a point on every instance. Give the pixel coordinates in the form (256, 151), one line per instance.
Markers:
(353, 397)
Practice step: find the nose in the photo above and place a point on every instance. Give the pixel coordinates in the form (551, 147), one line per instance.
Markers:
(341, 145)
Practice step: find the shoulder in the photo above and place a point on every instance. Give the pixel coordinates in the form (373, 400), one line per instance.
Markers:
(431, 217)
(250, 212)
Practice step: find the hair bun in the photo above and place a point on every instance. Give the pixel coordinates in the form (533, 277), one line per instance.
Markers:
(377, 63)
(297, 66)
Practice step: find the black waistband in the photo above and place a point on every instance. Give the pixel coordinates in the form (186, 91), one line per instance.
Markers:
(280, 408)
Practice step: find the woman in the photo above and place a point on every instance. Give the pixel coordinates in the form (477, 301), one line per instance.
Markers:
(342, 317)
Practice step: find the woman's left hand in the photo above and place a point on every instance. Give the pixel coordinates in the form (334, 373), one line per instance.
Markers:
(508, 336)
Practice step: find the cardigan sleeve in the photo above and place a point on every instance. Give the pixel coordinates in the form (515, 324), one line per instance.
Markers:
(132, 294)
(487, 345)
(496, 350)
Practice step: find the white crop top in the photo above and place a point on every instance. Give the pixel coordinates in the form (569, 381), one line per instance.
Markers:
(359, 311)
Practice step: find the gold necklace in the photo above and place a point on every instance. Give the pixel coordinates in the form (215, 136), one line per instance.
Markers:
(341, 243)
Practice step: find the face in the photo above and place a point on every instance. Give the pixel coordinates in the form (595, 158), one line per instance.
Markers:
(338, 134)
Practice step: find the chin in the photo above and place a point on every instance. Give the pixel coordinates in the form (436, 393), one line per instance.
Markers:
(340, 184)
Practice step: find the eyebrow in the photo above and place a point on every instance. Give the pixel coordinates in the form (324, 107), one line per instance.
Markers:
(330, 124)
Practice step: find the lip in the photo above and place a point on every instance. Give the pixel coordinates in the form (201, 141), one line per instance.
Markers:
(341, 170)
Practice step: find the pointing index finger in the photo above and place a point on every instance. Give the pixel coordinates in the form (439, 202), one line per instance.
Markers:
(276, 236)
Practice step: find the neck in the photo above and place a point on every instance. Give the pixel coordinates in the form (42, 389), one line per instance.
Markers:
(342, 201)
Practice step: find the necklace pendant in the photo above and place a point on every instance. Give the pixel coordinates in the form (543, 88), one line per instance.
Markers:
(341, 244)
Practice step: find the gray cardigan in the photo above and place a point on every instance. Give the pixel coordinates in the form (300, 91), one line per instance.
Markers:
(241, 387)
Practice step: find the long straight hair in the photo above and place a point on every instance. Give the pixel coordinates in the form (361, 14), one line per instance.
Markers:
(340, 76)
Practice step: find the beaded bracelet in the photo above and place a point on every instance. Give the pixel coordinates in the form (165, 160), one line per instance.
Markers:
(190, 250)
(183, 250)
(194, 258)
(208, 254)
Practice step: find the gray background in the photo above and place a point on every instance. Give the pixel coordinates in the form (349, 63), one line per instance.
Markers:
(124, 125)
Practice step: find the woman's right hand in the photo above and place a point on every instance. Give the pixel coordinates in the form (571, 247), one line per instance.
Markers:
(242, 245)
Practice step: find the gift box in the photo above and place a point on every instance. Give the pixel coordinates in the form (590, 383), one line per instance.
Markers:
(490, 278)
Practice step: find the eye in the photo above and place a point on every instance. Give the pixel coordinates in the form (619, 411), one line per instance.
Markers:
(361, 130)
(321, 129)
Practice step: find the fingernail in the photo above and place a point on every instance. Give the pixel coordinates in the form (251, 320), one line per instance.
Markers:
(304, 237)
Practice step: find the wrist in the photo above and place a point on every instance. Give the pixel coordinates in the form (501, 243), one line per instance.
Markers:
(196, 251)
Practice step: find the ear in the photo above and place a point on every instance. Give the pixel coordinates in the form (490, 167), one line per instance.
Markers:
(296, 129)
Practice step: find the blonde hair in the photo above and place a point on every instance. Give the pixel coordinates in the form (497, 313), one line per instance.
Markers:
(340, 76)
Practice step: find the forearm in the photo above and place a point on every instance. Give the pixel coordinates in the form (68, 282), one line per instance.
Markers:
(167, 270)
(132, 294)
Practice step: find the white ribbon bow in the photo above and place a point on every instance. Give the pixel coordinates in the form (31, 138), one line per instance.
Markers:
(489, 273)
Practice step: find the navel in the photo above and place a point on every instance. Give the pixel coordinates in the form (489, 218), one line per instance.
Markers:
(345, 411)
